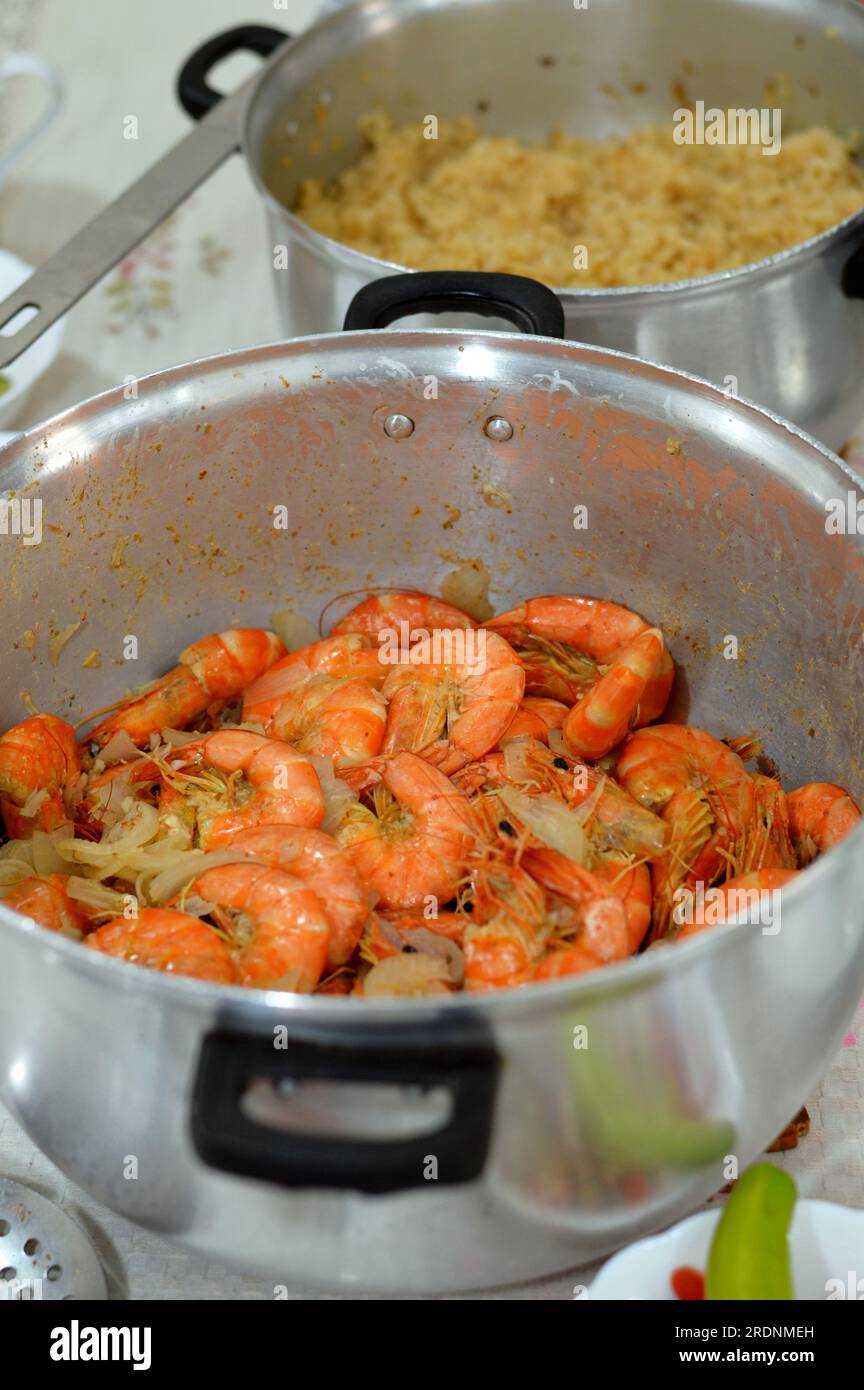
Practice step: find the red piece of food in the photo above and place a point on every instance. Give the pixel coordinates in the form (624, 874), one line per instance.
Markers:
(688, 1284)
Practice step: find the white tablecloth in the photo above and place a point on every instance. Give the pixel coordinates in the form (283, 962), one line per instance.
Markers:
(201, 285)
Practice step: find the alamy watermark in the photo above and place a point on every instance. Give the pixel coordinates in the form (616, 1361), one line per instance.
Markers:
(708, 907)
(734, 126)
(22, 516)
(443, 646)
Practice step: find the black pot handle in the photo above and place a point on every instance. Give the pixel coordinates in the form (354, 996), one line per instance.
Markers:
(228, 1139)
(852, 280)
(195, 94)
(530, 306)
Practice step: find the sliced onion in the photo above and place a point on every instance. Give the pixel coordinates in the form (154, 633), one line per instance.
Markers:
(94, 895)
(432, 943)
(174, 879)
(293, 630)
(139, 824)
(338, 796)
(176, 738)
(46, 856)
(118, 749)
(552, 823)
(557, 744)
(34, 801)
(408, 974)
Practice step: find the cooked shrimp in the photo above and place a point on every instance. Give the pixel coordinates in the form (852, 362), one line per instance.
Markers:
(452, 711)
(322, 863)
(568, 960)
(612, 707)
(507, 933)
(162, 939)
(565, 641)
(534, 718)
(769, 845)
(612, 821)
(39, 770)
(281, 786)
(47, 901)
(707, 798)
(420, 614)
(820, 815)
(278, 927)
(342, 720)
(211, 671)
(739, 896)
(607, 929)
(350, 657)
(412, 845)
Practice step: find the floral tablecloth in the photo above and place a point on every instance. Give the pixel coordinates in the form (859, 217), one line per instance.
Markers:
(199, 285)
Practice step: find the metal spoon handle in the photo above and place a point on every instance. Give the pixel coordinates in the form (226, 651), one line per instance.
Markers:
(97, 248)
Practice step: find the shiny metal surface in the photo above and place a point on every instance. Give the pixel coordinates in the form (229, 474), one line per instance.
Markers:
(44, 1254)
(716, 1042)
(782, 332)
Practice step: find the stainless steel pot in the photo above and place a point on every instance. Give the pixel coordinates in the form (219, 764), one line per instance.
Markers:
(455, 1143)
(787, 332)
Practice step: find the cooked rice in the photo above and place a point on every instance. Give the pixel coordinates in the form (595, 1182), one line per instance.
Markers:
(646, 209)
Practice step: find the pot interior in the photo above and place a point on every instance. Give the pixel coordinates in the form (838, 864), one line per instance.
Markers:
(264, 481)
(525, 69)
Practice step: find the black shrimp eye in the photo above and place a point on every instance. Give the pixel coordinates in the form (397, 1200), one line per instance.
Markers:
(506, 827)
(409, 950)
(467, 907)
(560, 762)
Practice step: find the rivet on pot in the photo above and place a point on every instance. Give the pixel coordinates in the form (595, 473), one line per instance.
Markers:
(398, 426)
(498, 428)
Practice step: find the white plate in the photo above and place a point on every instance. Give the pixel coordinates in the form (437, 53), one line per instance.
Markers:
(26, 371)
(826, 1240)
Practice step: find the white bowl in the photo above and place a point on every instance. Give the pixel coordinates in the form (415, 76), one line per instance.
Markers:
(826, 1241)
(26, 371)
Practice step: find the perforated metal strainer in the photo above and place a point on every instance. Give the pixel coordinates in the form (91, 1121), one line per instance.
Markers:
(44, 1254)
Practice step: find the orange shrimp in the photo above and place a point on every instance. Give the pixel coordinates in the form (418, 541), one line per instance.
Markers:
(507, 933)
(707, 798)
(210, 672)
(282, 787)
(349, 657)
(47, 901)
(565, 641)
(448, 710)
(534, 718)
(420, 613)
(769, 846)
(412, 845)
(39, 770)
(820, 815)
(279, 929)
(612, 922)
(739, 896)
(162, 939)
(342, 720)
(599, 721)
(322, 863)
(568, 960)
(614, 823)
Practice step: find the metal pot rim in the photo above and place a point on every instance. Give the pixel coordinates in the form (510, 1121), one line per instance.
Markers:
(260, 1006)
(372, 266)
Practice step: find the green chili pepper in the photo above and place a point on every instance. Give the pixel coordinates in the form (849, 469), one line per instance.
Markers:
(749, 1255)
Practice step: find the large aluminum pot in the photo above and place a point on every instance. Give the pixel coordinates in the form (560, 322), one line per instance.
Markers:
(470, 1140)
(787, 332)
